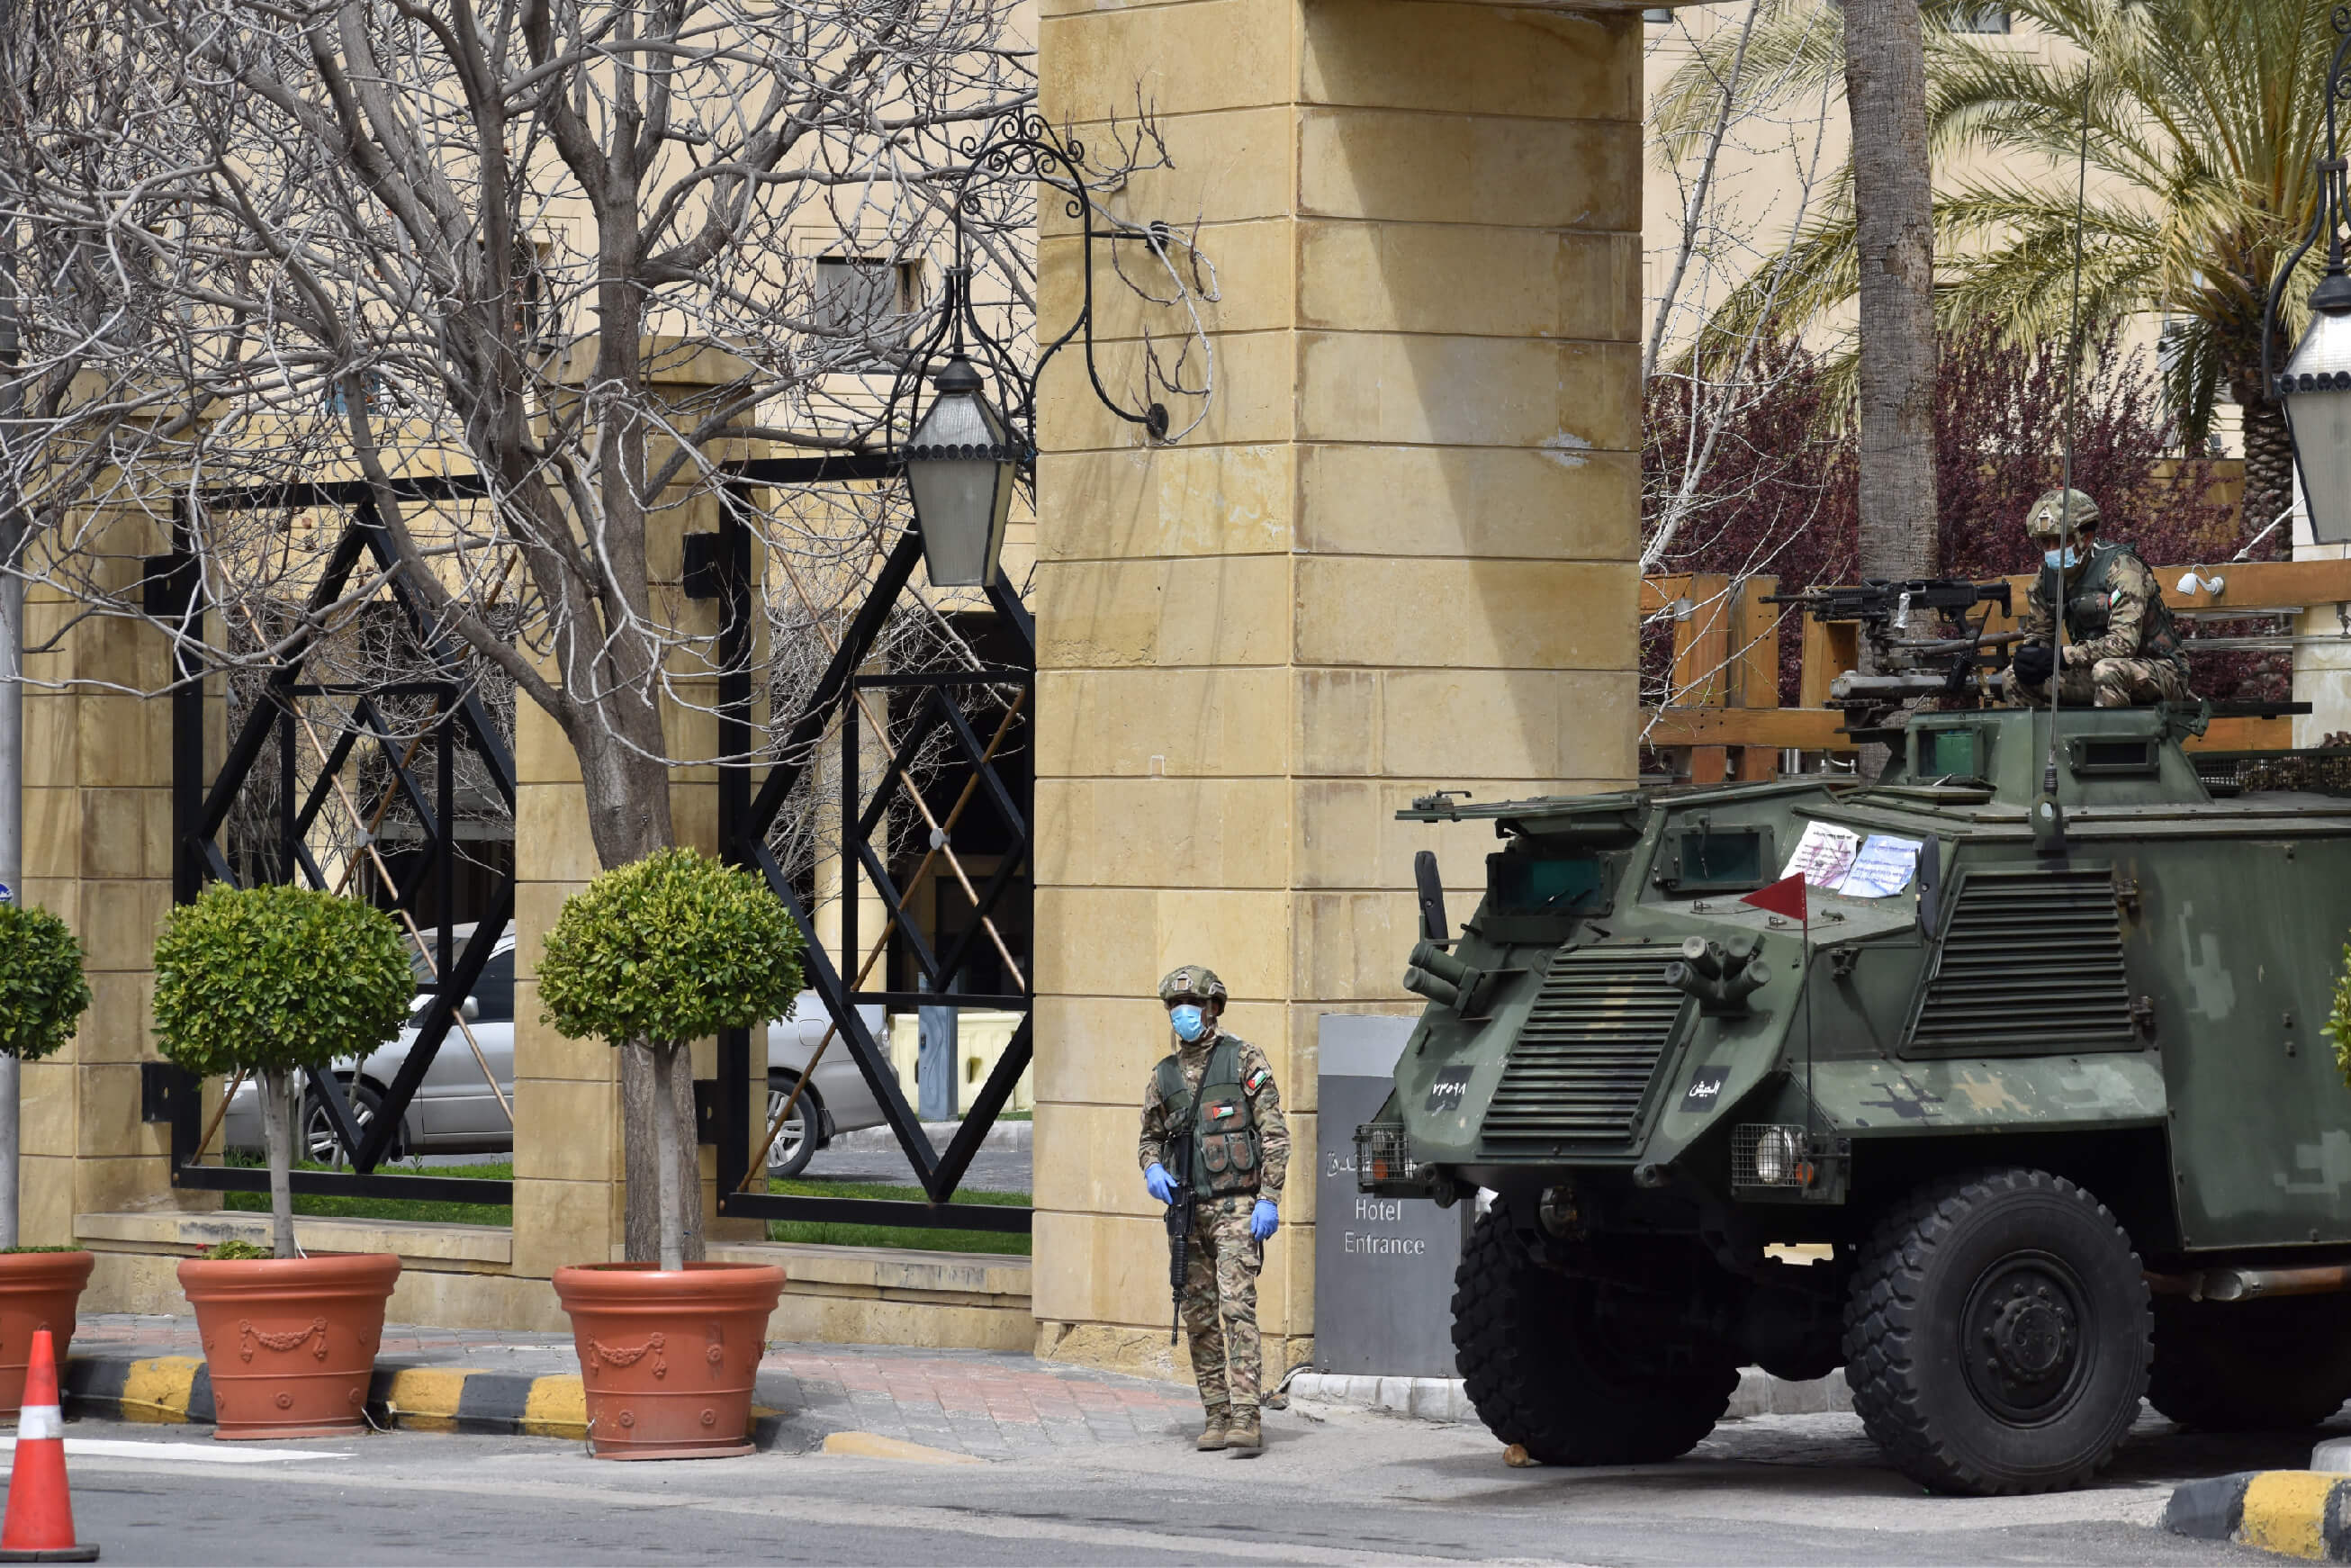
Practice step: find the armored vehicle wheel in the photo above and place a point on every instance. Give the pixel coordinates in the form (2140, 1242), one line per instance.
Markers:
(2244, 1366)
(1548, 1365)
(1996, 1337)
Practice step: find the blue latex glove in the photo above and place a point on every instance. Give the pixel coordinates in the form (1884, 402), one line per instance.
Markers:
(1263, 1218)
(1161, 1185)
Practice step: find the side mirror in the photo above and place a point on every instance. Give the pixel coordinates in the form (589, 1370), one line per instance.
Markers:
(1433, 926)
(471, 1008)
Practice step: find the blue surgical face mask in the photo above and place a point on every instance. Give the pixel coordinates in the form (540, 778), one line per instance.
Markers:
(2064, 560)
(1189, 1024)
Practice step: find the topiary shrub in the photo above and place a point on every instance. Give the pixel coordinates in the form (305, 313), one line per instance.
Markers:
(272, 981)
(2338, 1018)
(657, 954)
(42, 992)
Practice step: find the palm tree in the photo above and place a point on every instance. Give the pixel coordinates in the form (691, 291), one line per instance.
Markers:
(2203, 122)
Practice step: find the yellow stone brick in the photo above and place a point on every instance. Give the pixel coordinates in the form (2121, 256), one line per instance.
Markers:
(1416, 167)
(1257, 378)
(1124, 833)
(1502, 59)
(119, 922)
(1167, 500)
(566, 1130)
(551, 840)
(1102, 1269)
(1538, 503)
(541, 1053)
(123, 1183)
(45, 1108)
(543, 753)
(1361, 277)
(1163, 723)
(1187, 610)
(1478, 614)
(1230, 167)
(106, 1104)
(52, 833)
(1563, 397)
(118, 742)
(1097, 941)
(563, 1222)
(1352, 946)
(45, 1207)
(1092, 1167)
(1527, 724)
(1255, 263)
(114, 833)
(1179, 59)
(50, 739)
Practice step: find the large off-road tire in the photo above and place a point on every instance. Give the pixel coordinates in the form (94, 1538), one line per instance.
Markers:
(1547, 1369)
(1996, 1337)
(2250, 1367)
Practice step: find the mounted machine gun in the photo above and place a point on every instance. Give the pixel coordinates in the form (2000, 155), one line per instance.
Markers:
(1911, 656)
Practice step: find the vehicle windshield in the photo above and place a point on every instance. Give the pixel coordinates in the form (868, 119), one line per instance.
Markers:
(1545, 884)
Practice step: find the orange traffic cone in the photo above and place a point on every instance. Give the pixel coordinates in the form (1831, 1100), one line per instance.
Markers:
(40, 1527)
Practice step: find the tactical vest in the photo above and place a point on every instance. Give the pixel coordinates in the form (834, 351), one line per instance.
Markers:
(1223, 1138)
(2090, 602)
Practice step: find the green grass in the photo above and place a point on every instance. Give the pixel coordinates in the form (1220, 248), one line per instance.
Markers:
(931, 1238)
(800, 1232)
(429, 1211)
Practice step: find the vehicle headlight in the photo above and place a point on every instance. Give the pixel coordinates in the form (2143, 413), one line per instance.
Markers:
(1773, 1155)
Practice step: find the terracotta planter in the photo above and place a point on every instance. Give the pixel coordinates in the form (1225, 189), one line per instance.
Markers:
(290, 1341)
(38, 1291)
(668, 1357)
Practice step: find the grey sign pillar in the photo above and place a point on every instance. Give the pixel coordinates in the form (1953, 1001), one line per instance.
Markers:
(1383, 1266)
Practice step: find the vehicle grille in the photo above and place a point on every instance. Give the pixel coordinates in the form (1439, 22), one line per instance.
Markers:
(2032, 961)
(1582, 1066)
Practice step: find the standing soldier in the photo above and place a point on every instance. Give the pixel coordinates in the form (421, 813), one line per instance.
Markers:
(1216, 1091)
(2120, 646)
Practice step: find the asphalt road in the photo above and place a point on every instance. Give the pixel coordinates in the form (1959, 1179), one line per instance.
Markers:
(1349, 1488)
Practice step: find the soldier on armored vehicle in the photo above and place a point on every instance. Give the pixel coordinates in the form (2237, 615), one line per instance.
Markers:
(2120, 648)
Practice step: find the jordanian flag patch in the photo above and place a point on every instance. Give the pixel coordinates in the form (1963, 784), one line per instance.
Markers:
(1259, 1078)
(1218, 1113)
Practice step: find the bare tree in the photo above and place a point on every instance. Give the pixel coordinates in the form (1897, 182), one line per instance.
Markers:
(591, 250)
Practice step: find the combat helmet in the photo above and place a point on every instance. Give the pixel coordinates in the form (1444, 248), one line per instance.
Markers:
(1192, 981)
(2050, 517)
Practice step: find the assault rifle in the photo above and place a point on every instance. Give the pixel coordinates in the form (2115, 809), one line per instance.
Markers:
(1180, 1209)
(1910, 656)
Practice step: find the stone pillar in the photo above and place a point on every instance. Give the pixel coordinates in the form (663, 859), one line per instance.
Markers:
(98, 851)
(1398, 554)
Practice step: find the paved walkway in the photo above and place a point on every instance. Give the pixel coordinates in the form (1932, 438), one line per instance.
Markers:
(990, 1404)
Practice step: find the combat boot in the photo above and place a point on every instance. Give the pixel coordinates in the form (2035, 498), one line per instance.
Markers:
(1245, 1439)
(1214, 1435)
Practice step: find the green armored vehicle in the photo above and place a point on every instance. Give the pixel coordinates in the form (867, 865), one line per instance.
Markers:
(2031, 1113)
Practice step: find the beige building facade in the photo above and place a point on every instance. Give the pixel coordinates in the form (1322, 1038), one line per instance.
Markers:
(1398, 554)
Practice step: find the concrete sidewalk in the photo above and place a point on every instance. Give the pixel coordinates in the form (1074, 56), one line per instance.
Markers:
(991, 1404)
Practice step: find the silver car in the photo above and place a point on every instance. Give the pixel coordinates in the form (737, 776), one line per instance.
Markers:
(455, 1111)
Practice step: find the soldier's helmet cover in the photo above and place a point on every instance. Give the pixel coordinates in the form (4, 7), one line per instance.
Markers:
(1195, 980)
(2050, 517)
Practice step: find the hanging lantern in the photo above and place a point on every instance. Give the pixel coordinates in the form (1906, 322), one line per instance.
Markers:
(2315, 391)
(960, 466)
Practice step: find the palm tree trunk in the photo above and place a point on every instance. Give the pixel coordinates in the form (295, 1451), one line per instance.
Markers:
(1885, 91)
(2269, 467)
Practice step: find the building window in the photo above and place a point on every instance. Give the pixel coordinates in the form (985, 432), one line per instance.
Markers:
(1658, 16)
(1980, 19)
(863, 301)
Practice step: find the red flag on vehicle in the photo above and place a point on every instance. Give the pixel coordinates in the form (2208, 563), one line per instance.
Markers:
(1785, 896)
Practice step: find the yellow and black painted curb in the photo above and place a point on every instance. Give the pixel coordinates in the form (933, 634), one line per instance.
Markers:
(2296, 1513)
(173, 1389)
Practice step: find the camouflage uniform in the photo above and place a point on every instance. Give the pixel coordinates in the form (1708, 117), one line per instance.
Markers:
(1223, 1260)
(2120, 648)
